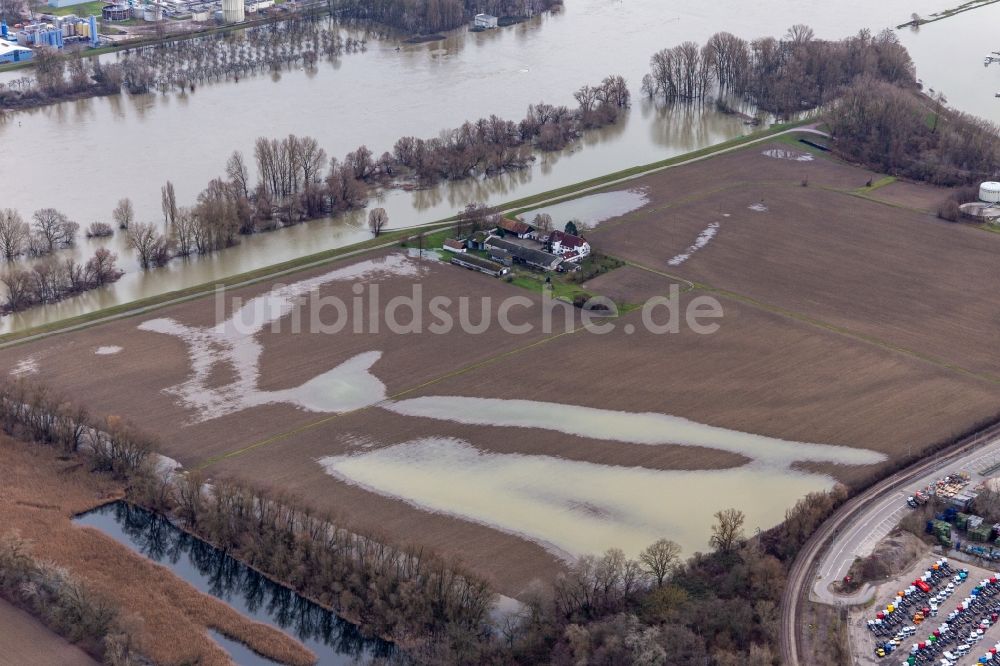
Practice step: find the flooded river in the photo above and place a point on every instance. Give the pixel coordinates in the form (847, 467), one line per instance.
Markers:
(81, 157)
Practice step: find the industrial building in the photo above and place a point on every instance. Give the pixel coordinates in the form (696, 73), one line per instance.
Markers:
(233, 11)
(11, 52)
(58, 32)
(987, 209)
(65, 3)
(116, 12)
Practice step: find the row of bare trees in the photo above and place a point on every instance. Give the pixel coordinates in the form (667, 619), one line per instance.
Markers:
(431, 16)
(179, 65)
(886, 128)
(493, 145)
(53, 280)
(783, 76)
(34, 413)
(48, 231)
(58, 77)
(297, 181)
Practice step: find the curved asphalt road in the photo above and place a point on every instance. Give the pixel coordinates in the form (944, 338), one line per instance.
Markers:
(862, 521)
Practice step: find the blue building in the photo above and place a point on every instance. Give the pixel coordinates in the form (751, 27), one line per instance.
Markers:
(11, 52)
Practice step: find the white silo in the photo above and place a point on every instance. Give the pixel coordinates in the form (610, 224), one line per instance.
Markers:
(234, 11)
(989, 192)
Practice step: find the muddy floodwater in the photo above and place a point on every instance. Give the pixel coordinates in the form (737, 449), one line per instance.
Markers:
(570, 507)
(573, 507)
(333, 640)
(81, 157)
(590, 210)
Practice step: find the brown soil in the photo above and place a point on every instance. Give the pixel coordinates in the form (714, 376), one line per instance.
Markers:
(130, 383)
(631, 285)
(25, 640)
(898, 551)
(847, 321)
(760, 373)
(170, 617)
(901, 278)
(912, 195)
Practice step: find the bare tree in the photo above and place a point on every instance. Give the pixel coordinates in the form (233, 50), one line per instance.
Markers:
(168, 202)
(148, 243)
(237, 172)
(53, 229)
(377, 220)
(13, 233)
(124, 213)
(183, 232)
(727, 532)
(542, 222)
(101, 268)
(10, 10)
(659, 559)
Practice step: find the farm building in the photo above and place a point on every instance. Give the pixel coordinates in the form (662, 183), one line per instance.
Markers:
(516, 227)
(453, 245)
(568, 246)
(11, 52)
(472, 262)
(485, 22)
(478, 240)
(539, 259)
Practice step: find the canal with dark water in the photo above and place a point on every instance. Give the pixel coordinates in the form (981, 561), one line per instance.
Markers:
(333, 640)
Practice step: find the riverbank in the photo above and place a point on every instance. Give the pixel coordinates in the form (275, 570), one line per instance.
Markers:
(918, 21)
(512, 208)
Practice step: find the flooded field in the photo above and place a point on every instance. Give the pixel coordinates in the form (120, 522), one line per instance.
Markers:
(113, 147)
(590, 210)
(570, 508)
(635, 428)
(231, 344)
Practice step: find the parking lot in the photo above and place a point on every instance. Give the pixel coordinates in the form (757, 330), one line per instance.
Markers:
(939, 612)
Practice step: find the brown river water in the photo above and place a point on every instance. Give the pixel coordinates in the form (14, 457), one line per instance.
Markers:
(81, 157)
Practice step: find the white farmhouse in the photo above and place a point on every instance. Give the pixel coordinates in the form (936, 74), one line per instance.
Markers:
(568, 246)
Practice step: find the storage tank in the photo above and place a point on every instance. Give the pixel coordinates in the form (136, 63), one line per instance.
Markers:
(233, 11)
(989, 192)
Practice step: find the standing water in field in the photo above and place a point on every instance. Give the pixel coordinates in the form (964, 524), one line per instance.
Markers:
(591, 210)
(232, 344)
(571, 507)
(633, 427)
(332, 639)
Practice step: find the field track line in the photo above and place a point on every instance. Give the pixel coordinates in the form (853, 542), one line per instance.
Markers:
(430, 382)
(846, 332)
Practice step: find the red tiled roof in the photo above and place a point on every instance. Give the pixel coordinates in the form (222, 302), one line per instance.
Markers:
(567, 240)
(514, 226)
(454, 244)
